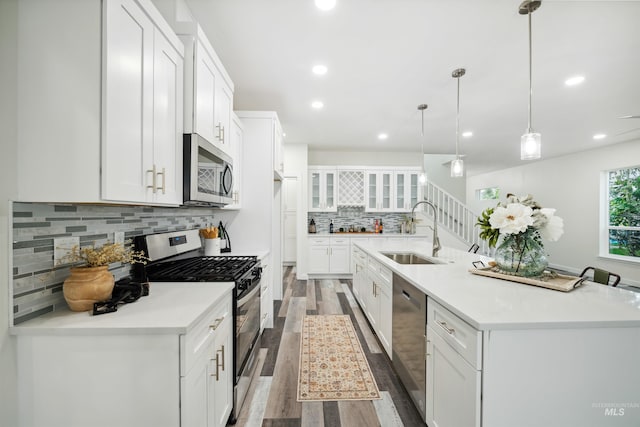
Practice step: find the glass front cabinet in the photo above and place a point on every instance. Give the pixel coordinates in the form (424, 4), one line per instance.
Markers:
(322, 190)
(379, 191)
(407, 190)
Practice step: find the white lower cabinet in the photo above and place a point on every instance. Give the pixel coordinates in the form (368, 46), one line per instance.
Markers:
(329, 255)
(454, 375)
(147, 376)
(266, 294)
(372, 288)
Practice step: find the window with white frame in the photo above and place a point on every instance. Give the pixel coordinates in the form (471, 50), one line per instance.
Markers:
(622, 228)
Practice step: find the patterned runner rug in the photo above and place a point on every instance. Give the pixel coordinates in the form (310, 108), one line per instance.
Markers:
(332, 363)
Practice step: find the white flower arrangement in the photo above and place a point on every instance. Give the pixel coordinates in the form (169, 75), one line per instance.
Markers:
(520, 215)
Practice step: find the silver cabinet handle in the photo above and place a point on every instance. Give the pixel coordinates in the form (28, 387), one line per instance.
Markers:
(444, 326)
(221, 351)
(164, 180)
(219, 127)
(216, 323)
(217, 374)
(153, 179)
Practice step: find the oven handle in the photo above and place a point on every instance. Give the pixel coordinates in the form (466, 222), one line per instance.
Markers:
(249, 296)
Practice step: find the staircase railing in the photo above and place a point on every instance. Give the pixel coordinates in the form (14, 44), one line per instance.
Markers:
(455, 216)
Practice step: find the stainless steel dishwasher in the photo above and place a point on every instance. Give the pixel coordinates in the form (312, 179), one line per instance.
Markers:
(409, 326)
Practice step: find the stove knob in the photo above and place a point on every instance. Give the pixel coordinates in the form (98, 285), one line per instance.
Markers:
(244, 284)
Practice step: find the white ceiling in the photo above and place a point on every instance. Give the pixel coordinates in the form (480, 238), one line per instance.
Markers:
(387, 56)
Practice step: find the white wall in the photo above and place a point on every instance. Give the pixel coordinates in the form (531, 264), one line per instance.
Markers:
(363, 158)
(8, 188)
(438, 169)
(570, 184)
(295, 163)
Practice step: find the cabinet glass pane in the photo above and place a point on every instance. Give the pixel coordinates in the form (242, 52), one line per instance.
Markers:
(330, 189)
(386, 191)
(315, 190)
(414, 188)
(400, 191)
(371, 200)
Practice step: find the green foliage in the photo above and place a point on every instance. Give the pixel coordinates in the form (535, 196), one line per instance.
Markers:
(624, 210)
(489, 234)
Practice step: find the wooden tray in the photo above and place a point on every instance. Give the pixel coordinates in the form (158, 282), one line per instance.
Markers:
(559, 282)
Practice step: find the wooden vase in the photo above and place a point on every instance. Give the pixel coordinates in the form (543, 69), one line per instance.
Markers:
(87, 285)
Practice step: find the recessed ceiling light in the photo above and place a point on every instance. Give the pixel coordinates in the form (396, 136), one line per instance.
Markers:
(383, 136)
(467, 134)
(325, 4)
(574, 81)
(319, 69)
(599, 136)
(317, 105)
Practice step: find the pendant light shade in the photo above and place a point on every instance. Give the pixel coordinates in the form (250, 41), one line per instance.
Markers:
(422, 178)
(457, 166)
(530, 142)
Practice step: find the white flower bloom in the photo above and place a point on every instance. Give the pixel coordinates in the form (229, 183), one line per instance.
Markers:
(513, 219)
(553, 227)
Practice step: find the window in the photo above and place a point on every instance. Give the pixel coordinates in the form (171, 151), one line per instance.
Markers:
(622, 238)
(488, 193)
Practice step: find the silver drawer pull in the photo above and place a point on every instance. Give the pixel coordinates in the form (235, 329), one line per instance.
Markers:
(221, 351)
(444, 326)
(216, 323)
(217, 374)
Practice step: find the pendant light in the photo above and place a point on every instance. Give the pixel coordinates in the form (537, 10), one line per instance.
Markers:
(422, 178)
(457, 166)
(530, 142)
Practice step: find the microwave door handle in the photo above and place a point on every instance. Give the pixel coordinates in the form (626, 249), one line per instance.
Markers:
(227, 172)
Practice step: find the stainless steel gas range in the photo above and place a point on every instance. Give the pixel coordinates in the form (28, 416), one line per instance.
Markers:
(177, 257)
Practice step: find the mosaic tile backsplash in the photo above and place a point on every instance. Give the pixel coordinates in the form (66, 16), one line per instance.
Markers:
(357, 217)
(37, 283)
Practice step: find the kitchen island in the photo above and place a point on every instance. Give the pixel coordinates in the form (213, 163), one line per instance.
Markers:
(504, 354)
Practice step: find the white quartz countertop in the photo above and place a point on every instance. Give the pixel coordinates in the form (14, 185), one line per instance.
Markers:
(366, 234)
(170, 308)
(487, 303)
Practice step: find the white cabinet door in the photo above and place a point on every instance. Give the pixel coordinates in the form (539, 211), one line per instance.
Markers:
(221, 377)
(322, 190)
(379, 191)
(167, 122)
(127, 146)
(318, 258)
(142, 121)
(236, 149)
(407, 190)
(223, 111)
(339, 260)
(453, 386)
(278, 150)
(202, 93)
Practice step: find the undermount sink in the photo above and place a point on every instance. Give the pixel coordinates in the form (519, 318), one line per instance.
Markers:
(409, 258)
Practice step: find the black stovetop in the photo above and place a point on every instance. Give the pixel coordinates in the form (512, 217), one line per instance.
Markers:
(201, 269)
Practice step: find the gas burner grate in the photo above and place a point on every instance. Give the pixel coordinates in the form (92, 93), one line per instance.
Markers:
(201, 269)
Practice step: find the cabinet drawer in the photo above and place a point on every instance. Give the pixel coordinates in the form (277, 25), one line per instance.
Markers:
(195, 343)
(464, 339)
(340, 241)
(318, 240)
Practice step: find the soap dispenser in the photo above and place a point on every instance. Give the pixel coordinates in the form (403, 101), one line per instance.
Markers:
(330, 226)
(312, 226)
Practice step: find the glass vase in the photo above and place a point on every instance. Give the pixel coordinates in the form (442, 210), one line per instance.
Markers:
(521, 255)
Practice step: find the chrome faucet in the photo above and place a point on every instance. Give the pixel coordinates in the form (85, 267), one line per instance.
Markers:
(436, 241)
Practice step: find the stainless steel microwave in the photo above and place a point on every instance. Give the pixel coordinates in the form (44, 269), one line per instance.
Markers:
(208, 173)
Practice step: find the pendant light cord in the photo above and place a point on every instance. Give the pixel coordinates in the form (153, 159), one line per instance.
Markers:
(530, 72)
(458, 118)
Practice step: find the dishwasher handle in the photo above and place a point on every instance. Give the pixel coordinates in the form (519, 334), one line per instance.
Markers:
(406, 295)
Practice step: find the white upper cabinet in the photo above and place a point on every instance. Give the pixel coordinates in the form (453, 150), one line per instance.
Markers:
(407, 190)
(322, 190)
(208, 89)
(109, 122)
(379, 191)
(236, 148)
(142, 111)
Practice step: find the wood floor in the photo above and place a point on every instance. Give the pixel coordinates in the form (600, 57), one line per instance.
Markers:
(271, 401)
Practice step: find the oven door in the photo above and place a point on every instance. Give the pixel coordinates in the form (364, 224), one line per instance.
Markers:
(247, 322)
